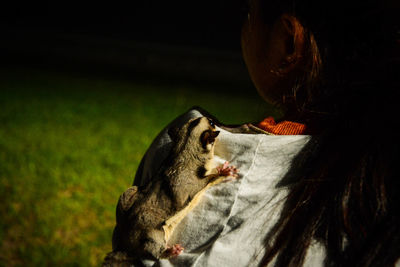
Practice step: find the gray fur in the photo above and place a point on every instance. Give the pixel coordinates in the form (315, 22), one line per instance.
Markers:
(142, 211)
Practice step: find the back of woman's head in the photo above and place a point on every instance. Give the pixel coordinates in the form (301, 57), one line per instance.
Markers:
(353, 51)
(347, 197)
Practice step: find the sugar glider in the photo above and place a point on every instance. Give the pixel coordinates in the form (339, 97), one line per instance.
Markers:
(147, 215)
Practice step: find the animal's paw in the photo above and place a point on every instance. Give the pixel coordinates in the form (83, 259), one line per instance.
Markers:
(231, 172)
(175, 250)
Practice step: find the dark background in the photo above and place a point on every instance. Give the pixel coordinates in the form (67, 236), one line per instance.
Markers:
(211, 23)
(197, 41)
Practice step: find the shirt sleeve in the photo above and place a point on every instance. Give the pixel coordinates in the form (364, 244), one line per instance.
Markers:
(229, 225)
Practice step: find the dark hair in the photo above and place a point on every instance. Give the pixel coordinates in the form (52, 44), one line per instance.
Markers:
(347, 195)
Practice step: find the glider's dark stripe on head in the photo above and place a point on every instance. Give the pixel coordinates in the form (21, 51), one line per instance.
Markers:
(192, 125)
(203, 139)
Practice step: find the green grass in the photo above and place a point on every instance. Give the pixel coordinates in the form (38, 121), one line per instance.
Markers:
(69, 146)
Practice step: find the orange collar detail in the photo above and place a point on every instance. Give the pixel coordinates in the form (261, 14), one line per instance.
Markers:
(282, 128)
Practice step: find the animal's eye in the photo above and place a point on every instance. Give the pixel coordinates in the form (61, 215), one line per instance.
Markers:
(211, 122)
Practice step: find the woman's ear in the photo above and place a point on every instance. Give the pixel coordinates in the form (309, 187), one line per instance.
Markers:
(275, 55)
(293, 34)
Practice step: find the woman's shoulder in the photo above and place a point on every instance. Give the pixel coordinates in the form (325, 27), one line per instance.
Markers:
(232, 139)
(231, 210)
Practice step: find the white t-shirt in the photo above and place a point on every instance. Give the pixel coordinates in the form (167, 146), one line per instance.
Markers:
(230, 224)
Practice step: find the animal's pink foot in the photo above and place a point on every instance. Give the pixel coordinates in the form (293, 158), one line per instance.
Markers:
(230, 171)
(175, 250)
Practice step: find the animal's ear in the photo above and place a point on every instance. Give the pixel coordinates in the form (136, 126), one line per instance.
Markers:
(173, 133)
(214, 134)
(208, 137)
(127, 198)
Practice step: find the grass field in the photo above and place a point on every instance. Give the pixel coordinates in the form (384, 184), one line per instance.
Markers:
(70, 145)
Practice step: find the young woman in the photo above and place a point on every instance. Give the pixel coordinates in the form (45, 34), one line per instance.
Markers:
(334, 66)
(328, 194)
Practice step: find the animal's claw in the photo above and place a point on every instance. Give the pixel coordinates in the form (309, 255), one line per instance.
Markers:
(230, 171)
(174, 250)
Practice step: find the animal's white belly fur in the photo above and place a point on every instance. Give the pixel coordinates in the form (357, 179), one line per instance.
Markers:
(172, 222)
